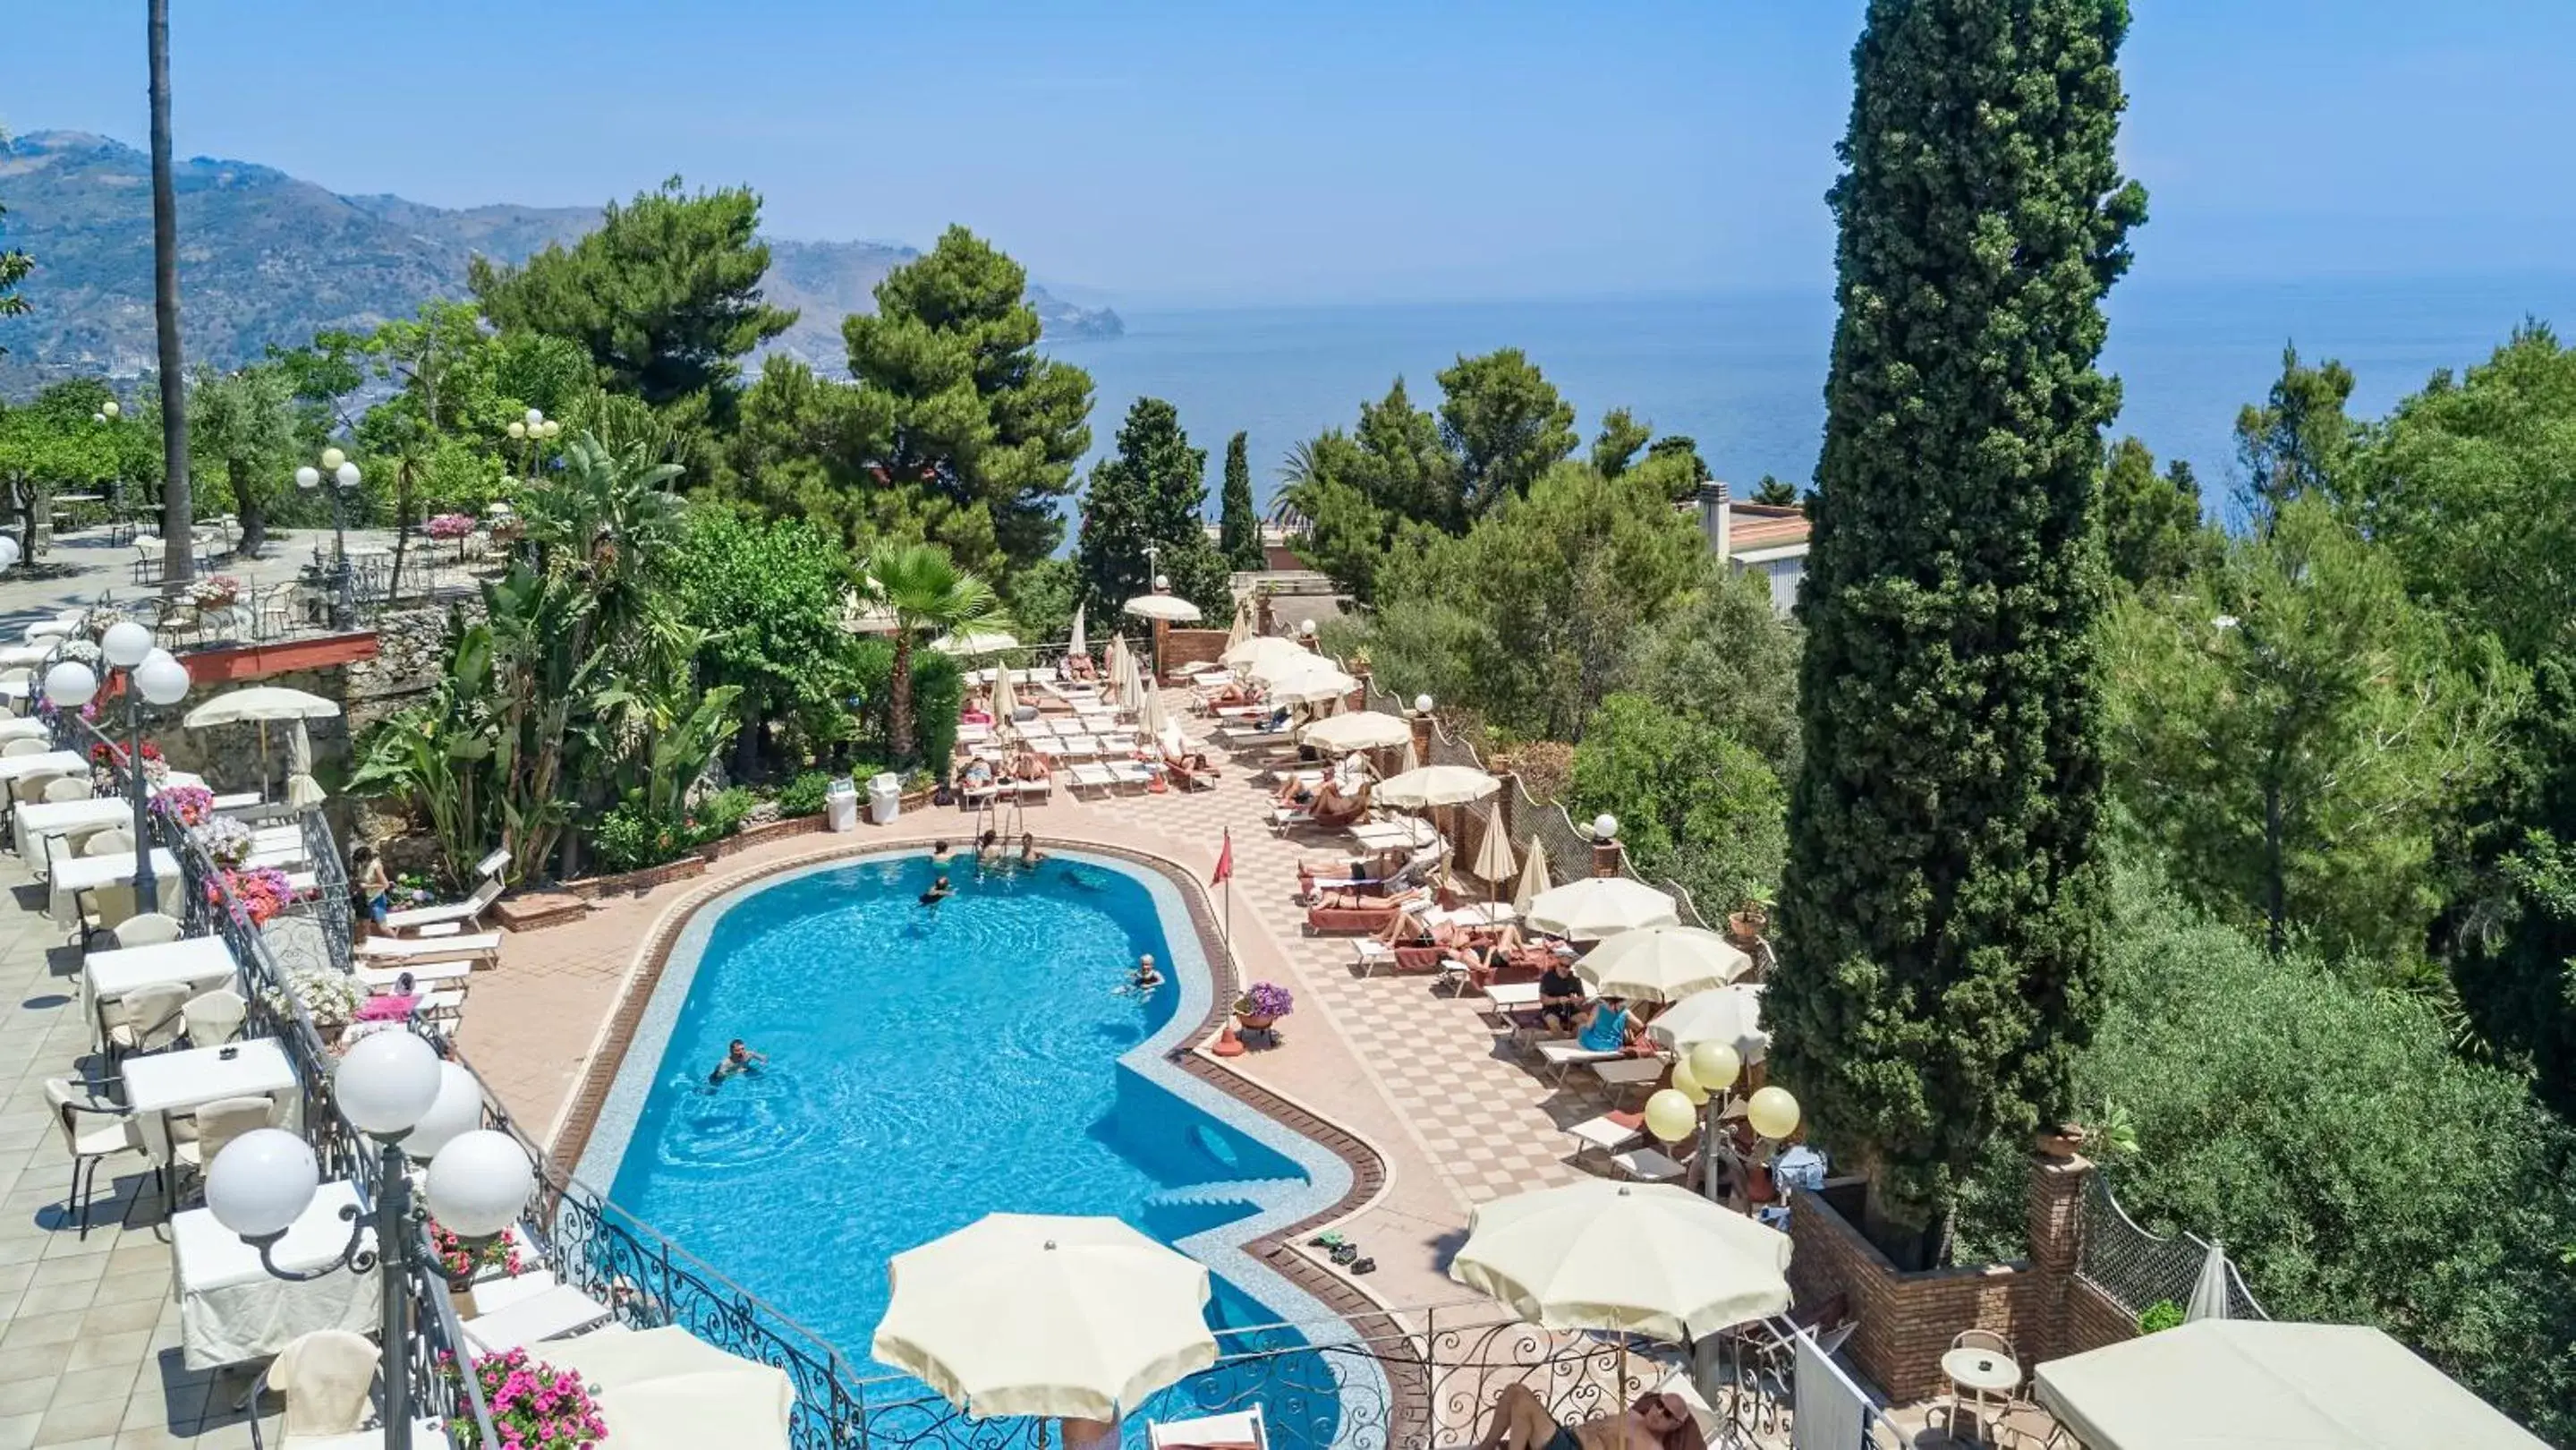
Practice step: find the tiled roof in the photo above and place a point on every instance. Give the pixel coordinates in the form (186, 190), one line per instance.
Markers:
(1765, 526)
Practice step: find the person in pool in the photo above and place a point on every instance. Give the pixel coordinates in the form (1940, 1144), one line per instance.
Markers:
(738, 1058)
(1030, 855)
(1146, 978)
(939, 853)
(939, 891)
(988, 849)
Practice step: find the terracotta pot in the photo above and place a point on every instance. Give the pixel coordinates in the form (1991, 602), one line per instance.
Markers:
(2064, 1142)
(1255, 1021)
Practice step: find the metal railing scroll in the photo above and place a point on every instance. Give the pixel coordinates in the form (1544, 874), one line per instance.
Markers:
(2138, 1269)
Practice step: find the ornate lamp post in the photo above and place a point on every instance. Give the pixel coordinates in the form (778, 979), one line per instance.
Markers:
(392, 1087)
(152, 676)
(536, 430)
(344, 479)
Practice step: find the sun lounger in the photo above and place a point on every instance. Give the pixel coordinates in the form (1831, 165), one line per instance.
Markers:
(1241, 1430)
(552, 1314)
(1608, 1133)
(1627, 1072)
(1323, 919)
(429, 948)
(387, 979)
(1096, 777)
(1566, 1052)
(1245, 737)
(471, 909)
(1040, 789)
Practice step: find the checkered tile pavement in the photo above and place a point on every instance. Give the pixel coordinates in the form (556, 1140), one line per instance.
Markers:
(1488, 1116)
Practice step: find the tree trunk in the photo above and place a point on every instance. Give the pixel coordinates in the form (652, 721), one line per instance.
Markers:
(402, 530)
(746, 741)
(899, 713)
(254, 519)
(178, 513)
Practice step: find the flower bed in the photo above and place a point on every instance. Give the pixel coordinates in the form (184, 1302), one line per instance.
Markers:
(257, 894)
(189, 805)
(535, 1406)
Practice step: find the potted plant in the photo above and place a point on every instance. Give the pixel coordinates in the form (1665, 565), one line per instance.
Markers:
(2112, 1135)
(534, 1405)
(189, 805)
(1260, 1008)
(466, 1263)
(331, 997)
(226, 840)
(215, 591)
(1751, 917)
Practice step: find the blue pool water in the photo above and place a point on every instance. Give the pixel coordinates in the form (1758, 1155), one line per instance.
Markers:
(928, 1065)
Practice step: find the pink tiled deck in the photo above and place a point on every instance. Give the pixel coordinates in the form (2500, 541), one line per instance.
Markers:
(1456, 1116)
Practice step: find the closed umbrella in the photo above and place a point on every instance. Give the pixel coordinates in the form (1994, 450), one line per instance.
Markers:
(303, 792)
(1662, 963)
(1242, 629)
(1494, 864)
(1641, 1258)
(1359, 730)
(2209, 1291)
(1151, 719)
(1533, 883)
(1600, 906)
(1027, 1314)
(1079, 646)
(1731, 1015)
(1436, 785)
(1006, 698)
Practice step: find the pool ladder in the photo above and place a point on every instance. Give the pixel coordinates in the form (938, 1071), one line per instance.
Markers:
(1004, 816)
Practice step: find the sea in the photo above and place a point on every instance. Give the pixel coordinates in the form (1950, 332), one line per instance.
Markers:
(1744, 374)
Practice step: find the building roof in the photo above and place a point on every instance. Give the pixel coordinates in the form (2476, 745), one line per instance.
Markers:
(1754, 526)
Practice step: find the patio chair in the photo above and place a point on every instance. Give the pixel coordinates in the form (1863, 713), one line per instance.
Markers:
(461, 914)
(147, 1019)
(148, 929)
(327, 1378)
(70, 1101)
(1948, 1404)
(1241, 1430)
(65, 788)
(216, 1125)
(215, 1018)
(26, 747)
(114, 841)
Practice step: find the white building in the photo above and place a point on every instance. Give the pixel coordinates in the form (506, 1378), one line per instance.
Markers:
(1758, 538)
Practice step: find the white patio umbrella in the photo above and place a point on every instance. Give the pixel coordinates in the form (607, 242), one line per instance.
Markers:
(1600, 906)
(1006, 699)
(1359, 730)
(1170, 608)
(1152, 720)
(1533, 883)
(1242, 627)
(1111, 663)
(2209, 1291)
(1494, 864)
(1730, 1014)
(260, 705)
(975, 642)
(1436, 785)
(1636, 1258)
(666, 1389)
(1313, 686)
(1261, 655)
(1027, 1314)
(1079, 645)
(1662, 963)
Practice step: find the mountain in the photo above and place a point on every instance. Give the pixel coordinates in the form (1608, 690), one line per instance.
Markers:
(265, 258)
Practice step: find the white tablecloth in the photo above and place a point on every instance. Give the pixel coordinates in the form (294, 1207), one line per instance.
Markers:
(23, 727)
(162, 1083)
(232, 1309)
(201, 963)
(31, 823)
(88, 873)
(60, 762)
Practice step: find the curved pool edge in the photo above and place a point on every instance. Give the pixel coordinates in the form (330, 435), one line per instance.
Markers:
(1344, 1172)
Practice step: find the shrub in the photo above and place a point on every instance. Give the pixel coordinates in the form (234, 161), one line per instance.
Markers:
(803, 796)
(2162, 1315)
(721, 814)
(633, 837)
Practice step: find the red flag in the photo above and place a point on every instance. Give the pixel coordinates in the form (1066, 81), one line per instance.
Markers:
(1224, 861)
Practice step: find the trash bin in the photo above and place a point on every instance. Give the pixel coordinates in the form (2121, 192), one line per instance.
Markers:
(841, 805)
(885, 798)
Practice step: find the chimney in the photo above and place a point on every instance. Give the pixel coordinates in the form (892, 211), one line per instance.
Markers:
(1717, 519)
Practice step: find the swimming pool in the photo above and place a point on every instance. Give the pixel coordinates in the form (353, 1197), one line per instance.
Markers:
(928, 1065)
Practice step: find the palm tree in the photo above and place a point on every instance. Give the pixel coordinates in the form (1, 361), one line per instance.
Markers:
(926, 592)
(177, 552)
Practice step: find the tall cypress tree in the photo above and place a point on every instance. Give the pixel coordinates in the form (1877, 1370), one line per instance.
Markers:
(1939, 921)
(1238, 527)
(1149, 492)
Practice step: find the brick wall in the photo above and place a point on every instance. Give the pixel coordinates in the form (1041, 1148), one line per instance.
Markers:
(1907, 1318)
(1191, 647)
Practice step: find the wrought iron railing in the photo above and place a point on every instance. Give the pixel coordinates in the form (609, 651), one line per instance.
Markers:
(2138, 1269)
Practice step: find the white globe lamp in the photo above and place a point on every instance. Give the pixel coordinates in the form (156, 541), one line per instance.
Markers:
(8, 552)
(1422, 704)
(308, 477)
(479, 1183)
(1162, 582)
(161, 678)
(536, 417)
(332, 458)
(125, 644)
(457, 1110)
(71, 684)
(110, 408)
(262, 1182)
(386, 1082)
(346, 474)
(1605, 827)
(518, 429)
(553, 427)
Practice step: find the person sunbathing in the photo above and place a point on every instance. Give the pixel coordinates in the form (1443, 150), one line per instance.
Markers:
(1520, 1421)
(1178, 758)
(1079, 667)
(1362, 898)
(979, 775)
(1295, 791)
(1333, 808)
(1232, 693)
(1025, 765)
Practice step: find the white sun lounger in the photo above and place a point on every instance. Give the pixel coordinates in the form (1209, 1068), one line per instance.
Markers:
(549, 1314)
(1604, 1133)
(430, 948)
(385, 979)
(471, 909)
(1563, 1053)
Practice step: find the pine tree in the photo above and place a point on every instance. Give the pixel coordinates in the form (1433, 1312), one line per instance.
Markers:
(1149, 493)
(1239, 528)
(1939, 920)
(2151, 526)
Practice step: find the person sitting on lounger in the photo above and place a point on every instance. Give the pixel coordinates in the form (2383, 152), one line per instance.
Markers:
(1520, 1421)
(1560, 996)
(939, 891)
(1276, 721)
(1333, 806)
(1079, 667)
(1025, 765)
(976, 713)
(1232, 692)
(737, 1059)
(1180, 759)
(1294, 791)
(1609, 1028)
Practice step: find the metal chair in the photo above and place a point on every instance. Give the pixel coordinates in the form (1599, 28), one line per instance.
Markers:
(147, 1019)
(215, 1018)
(326, 1377)
(63, 788)
(70, 1101)
(150, 928)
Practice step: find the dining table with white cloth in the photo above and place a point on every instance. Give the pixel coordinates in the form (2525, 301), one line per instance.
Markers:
(199, 963)
(14, 768)
(159, 1084)
(31, 823)
(88, 873)
(232, 1309)
(23, 727)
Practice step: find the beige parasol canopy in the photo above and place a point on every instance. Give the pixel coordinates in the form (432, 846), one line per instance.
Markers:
(1494, 861)
(1006, 699)
(1152, 719)
(1078, 645)
(858, 616)
(1533, 883)
(1730, 1014)
(666, 1389)
(976, 642)
(1314, 685)
(261, 705)
(1662, 963)
(1600, 906)
(1263, 655)
(1242, 628)
(2252, 1384)
(1359, 730)
(1170, 608)
(1436, 785)
(1026, 1314)
(1639, 1258)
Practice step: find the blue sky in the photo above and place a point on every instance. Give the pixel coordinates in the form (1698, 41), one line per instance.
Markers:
(1321, 150)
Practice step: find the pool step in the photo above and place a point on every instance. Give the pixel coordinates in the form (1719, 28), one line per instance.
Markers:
(1251, 1192)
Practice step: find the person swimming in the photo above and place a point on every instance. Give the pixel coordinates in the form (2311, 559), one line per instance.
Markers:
(939, 891)
(737, 1059)
(1145, 978)
(988, 848)
(939, 853)
(1030, 855)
